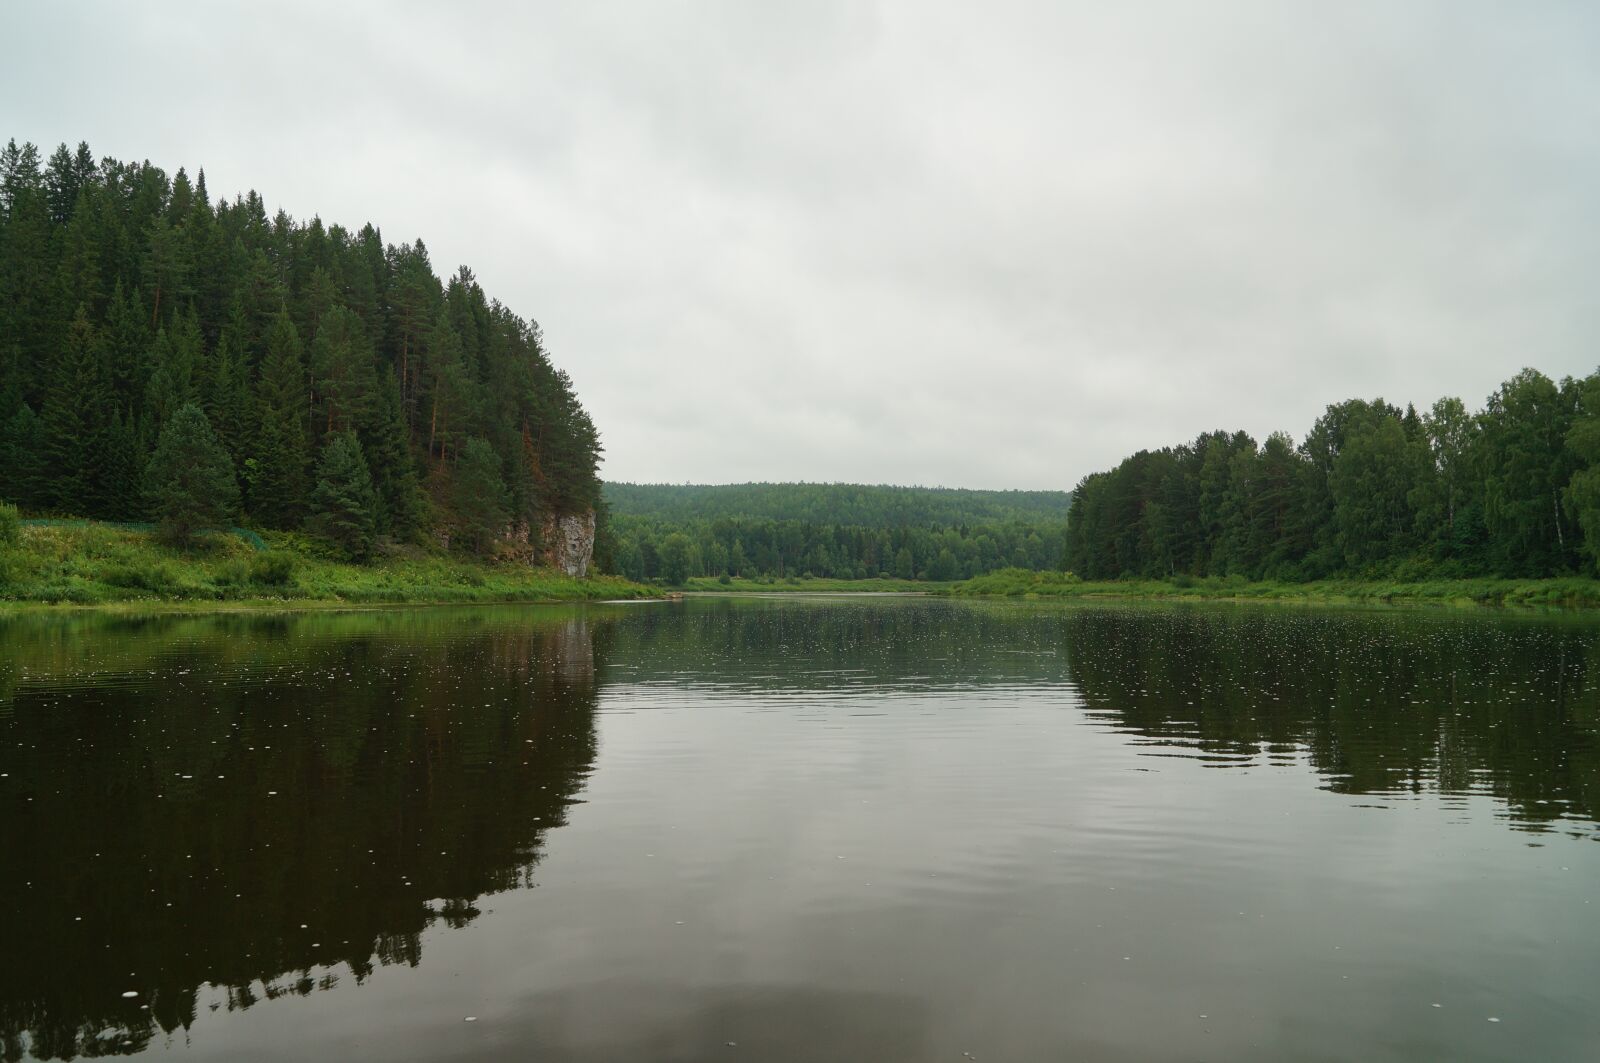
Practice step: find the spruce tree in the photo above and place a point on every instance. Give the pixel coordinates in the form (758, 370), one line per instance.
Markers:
(78, 409)
(344, 504)
(189, 481)
(280, 453)
(341, 357)
(22, 460)
(123, 469)
(127, 343)
(384, 439)
(478, 495)
(227, 397)
(172, 378)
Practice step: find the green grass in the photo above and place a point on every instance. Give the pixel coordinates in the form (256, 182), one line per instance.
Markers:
(1571, 591)
(96, 564)
(811, 584)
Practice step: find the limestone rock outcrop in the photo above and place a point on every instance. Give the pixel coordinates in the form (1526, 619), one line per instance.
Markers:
(568, 542)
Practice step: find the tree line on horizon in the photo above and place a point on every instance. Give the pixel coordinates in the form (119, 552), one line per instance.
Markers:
(866, 505)
(1372, 491)
(162, 354)
(672, 532)
(673, 551)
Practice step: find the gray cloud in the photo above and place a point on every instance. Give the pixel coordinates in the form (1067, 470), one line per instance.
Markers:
(979, 245)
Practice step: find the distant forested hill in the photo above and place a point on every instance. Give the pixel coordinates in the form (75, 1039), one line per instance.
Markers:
(860, 504)
(841, 531)
(347, 387)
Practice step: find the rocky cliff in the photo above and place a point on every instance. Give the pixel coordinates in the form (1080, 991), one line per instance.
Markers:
(568, 542)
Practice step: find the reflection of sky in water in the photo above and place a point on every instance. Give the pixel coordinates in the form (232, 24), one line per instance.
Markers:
(912, 830)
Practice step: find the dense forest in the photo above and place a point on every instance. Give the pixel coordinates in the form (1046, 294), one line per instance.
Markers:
(872, 506)
(1372, 491)
(839, 531)
(167, 356)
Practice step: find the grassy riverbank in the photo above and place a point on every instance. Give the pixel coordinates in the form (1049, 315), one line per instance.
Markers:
(94, 564)
(1569, 591)
(811, 584)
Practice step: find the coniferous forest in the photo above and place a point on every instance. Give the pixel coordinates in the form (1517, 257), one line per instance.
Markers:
(1372, 491)
(166, 355)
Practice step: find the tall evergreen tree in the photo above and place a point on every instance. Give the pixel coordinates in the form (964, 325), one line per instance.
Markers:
(189, 480)
(385, 442)
(344, 504)
(478, 494)
(341, 357)
(23, 480)
(77, 416)
(280, 452)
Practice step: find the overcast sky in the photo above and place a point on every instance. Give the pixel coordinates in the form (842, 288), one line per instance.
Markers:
(982, 245)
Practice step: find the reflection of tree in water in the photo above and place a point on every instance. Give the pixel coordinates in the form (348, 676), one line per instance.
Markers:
(794, 644)
(253, 803)
(1377, 703)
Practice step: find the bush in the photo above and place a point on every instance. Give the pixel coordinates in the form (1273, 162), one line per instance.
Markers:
(273, 568)
(158, 577)
(725, 579)
(1413, 570)
(10, 524)
(232, 573)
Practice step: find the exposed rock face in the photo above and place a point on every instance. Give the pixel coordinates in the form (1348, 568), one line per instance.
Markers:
(568, 541)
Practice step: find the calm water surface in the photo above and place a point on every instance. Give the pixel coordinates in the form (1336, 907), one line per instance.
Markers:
(799, 830)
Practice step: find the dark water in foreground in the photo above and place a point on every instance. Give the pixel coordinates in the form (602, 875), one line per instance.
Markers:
(797, 830)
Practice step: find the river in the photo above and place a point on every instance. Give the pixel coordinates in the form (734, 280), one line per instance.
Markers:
(802, 829)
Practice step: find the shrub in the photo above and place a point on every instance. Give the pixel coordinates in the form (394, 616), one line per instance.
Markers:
(232, 573)
(158, 577)
(10, 524)
(725, 579)
(273, 568)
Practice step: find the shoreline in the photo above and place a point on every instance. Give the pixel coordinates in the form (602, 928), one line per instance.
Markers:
(264, 606)
(1570, 593)
(91, 566)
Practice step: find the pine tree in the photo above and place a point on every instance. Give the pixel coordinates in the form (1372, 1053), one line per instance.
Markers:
(280, 453)
(344, 504)
(189, 481)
